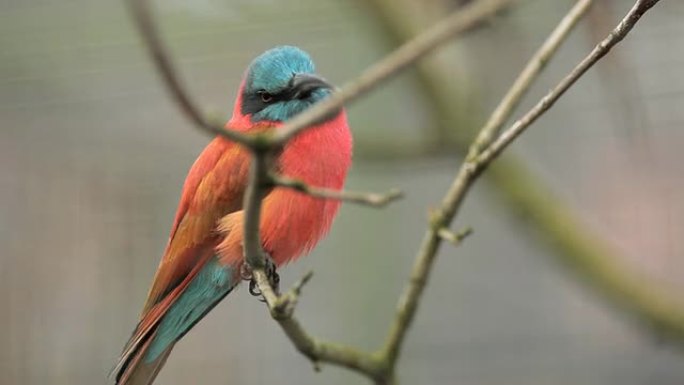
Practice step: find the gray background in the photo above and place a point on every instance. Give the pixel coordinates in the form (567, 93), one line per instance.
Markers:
(93, 154)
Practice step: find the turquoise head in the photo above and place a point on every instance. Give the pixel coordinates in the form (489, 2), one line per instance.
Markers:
(281, 83)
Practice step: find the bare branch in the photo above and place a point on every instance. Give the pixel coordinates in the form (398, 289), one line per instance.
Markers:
(651, 306)
(531, 71)
(619, 33)
(317, 351)
(148, 30)
(466, 176)
(363, 198)
(598, 264)
(282, 307)
(647, 302)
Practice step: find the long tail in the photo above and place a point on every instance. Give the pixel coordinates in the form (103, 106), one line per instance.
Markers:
(169, 320)
(145, 373)
(137, 371)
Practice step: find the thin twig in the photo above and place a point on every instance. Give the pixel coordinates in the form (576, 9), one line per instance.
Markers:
(531, 71)
(363, 198)
(148, 31)
(575, 246)
(654, 307)
(473, 167)
(452, 237)
(452, 201)
(282, 306)
(448, 90)
(317, 351)
(619, 33)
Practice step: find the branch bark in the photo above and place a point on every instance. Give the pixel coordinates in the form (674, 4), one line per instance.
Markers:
(592, 258)
(646, 301)
(616, 36)
(142, 16)
(363, 198)
(442, 218)
(524, 81)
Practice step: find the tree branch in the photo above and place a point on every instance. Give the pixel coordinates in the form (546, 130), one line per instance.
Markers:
(148, 31)
(575, 246)
(619, 33)
(647, 302)
(440, 220)
(363, 198)
(522, 83)
(282, 309)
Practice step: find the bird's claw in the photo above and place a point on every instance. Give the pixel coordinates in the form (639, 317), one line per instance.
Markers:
(273, 276)
(271, 273)
(254, 290)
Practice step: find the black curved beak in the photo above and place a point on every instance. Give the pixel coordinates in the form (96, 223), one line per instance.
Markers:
(304, 84)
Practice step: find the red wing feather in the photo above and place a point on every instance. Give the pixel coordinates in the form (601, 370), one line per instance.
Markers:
(213, 189)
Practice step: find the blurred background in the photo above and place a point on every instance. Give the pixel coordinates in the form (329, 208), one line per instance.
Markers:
(93, 154)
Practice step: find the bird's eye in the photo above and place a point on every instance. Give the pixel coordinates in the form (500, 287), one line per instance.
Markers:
(265, 96)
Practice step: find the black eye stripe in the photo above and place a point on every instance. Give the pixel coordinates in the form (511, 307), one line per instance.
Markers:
(252, 102)
(274, 97)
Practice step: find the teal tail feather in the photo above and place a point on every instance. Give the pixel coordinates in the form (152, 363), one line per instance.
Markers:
(140, 372)
(213, 282)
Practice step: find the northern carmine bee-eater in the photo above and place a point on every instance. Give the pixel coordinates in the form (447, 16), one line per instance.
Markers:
(203, 257)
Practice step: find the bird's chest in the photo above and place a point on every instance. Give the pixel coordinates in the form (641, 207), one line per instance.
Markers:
(317, 158)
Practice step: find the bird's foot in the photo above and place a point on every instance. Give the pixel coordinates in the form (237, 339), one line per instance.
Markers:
(271, 273)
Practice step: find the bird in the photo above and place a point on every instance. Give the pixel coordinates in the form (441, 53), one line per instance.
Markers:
(203, 258)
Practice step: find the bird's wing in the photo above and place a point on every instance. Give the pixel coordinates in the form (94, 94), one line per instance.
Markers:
(214, 187)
